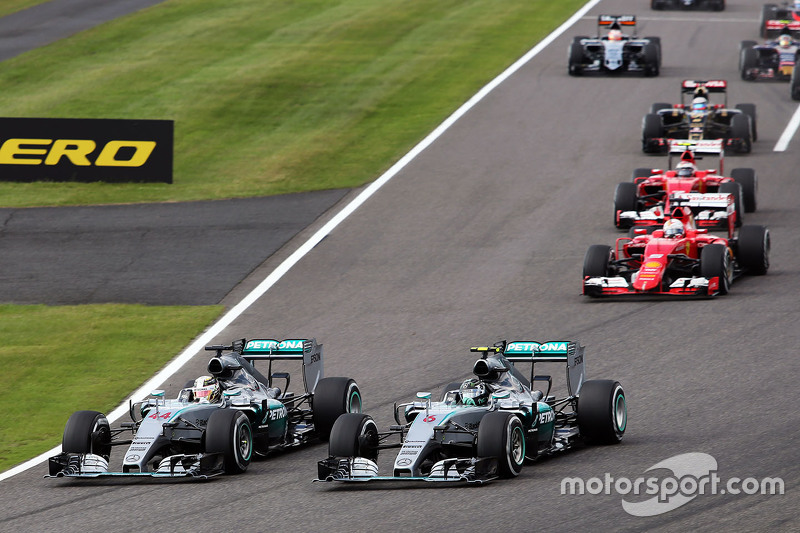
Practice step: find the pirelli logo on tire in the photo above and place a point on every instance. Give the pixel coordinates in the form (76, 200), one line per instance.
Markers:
(86, 150)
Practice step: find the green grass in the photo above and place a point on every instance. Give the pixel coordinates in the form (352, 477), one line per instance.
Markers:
(12, 6)
(270, 96)
(62, 359)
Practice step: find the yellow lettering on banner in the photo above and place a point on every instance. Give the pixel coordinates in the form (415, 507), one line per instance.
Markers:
(107, 157)
(75, 150)
(13, 147)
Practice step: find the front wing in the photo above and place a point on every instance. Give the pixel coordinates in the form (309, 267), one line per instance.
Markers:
(598, 287)
(361, 470)
(75, 465)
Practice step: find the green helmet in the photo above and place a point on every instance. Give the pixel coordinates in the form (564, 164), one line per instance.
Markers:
(474, 392)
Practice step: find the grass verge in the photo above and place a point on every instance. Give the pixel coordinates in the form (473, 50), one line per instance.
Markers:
(268, 96)
(63, 359)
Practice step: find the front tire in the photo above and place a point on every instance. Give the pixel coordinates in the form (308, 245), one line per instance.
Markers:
(795, 82)
(354, 435)
(230, 433)
(602, 412)
(501, 436)
(334, 397)
(596, 261)
(741, 128)
(87, 432)
(715, 262)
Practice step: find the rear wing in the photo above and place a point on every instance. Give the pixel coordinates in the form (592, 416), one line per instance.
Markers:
(305, 350)
(704, 146)
(615, 22)
(703, 88)
(569, 352)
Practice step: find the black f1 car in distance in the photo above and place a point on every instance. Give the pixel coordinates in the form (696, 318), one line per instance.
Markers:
(485, 427)
(614, 52)
(776, 19)
(714, 5)
(217, 423)
(696, 118)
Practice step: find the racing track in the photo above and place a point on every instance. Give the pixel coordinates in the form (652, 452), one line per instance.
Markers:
(482, 238)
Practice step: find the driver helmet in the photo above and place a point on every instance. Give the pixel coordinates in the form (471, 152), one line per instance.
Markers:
(615, 35)
(785, 41)
(206, 388)
(797, 4)
(699, 104)
(673, 228)
(474, 392)
(685, 169)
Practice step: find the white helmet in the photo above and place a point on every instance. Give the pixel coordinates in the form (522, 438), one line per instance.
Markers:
(673, 228)
(699, 104)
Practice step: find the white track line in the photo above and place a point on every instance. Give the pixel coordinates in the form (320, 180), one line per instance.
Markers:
(217, 328)
(788, 133)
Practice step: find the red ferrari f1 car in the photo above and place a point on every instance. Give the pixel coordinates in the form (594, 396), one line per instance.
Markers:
(647, 200)
(679, 260)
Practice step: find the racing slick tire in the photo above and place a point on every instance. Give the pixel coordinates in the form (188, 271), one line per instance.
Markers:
(87, 432)
(642, 172)
(658, 106)
(795, 81)
(753, 249)
(354, 435)
(602, 411)
(596, 261)
(333, 397)
(767, 13)
(652, 59)
(575, 56)
(746, 177)
(230, 433)
(750, 111)
(715, 262)
(748, 60)
(657, 4)
(718, 5)
(651, 129)
(734, 189)
(656, 41)
(741, 129)
(501, 436)
(625, 199)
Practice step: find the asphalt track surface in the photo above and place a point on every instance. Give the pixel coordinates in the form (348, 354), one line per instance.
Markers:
(482, 238)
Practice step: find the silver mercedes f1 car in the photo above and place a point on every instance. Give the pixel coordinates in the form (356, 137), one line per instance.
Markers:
(217, 423)
(486, 427)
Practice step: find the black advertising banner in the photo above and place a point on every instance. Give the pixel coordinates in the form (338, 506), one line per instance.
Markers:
(76, 149)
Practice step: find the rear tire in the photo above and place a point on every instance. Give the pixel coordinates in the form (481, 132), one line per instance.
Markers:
(651, 59)
(87, 432)
(602, 412)
(741, 128)
(753, 249)
(354, 435)
(746, 177)
(501, 436)
(642, 173)
(795, 81)
(333, 397)
(596, 261)
(575, 57)
(767, 13)
(659, 106)
(625, 199)
(750, 111)
(715, 262)
(652, 128)
(230, 433)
